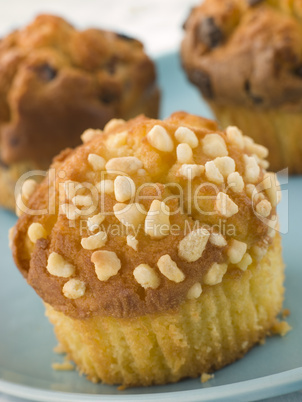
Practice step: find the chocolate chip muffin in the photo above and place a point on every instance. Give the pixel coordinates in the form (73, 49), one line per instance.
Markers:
(55, 82)
(245, 57)
(156, 249)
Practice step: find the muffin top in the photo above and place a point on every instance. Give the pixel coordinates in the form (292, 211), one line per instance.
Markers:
(56, 81)
(145, 215)
(246, 52)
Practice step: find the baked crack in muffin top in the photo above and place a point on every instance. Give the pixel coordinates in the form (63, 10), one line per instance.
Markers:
(145, 215)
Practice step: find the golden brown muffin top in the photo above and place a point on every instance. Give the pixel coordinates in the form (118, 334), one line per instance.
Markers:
(144, 215)
(246, 52)
(55, 81)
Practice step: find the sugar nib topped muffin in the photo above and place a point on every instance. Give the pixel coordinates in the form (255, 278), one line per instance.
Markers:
(156, 252)
(55, 82)
(245, 57)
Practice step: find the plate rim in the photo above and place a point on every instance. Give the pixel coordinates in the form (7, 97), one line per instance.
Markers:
(257, 388)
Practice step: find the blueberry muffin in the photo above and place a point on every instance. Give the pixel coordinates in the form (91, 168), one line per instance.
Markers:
(245, 57)
(156, 249)
(55, 82)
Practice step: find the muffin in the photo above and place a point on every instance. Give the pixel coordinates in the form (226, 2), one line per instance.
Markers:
(156, 251)
(55, 82)
(245, 57)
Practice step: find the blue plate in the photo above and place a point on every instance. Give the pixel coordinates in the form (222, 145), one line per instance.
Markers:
(27, 340)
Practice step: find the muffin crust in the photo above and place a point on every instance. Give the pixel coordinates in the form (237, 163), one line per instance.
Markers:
(187, 251)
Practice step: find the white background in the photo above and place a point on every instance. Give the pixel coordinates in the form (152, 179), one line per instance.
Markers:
(157, 23)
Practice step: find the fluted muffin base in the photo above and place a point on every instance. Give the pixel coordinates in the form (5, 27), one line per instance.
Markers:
(278, 130)
(201, 336)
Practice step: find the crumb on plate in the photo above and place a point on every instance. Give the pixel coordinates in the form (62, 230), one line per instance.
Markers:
(206, 377)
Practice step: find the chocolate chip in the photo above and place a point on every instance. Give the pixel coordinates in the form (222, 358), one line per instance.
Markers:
(46, 72)
(202, 80)
(3, 165)
(255, 98)
(253, 2)
(107, 97)
(209, 33)
(109, 93)
(125, 37)
(14, 142)
(111, 65)
(247, 86)
(298, 71)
